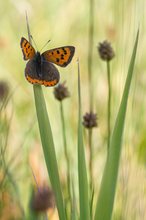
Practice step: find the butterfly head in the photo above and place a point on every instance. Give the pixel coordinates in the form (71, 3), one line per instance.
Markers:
(37, 56)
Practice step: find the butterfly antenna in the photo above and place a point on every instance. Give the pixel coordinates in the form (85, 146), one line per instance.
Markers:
(34, 42)
(45, 45)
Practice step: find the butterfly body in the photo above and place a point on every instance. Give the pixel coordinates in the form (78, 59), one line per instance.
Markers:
(38, 63)
(40, 68)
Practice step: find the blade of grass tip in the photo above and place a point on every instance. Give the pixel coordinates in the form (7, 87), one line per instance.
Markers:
(48, 143)
(109, 180)
(82, 171)
(28, 29)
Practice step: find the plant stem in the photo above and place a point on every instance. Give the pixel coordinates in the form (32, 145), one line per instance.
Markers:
(90, 51)
(109, 105)
(90, 169)
(90, 54)
(90, 156)
(66, 152)
(82, 171)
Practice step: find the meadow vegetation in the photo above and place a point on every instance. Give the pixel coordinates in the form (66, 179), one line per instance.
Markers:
(73, 151)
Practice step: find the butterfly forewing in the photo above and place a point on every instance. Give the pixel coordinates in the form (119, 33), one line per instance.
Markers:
(27, 49)
(61, 56)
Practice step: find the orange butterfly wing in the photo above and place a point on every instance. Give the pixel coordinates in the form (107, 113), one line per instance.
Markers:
(61, 56)
(27, 49)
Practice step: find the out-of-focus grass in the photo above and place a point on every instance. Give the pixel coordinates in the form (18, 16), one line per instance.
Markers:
(66, 22)
(110, 174)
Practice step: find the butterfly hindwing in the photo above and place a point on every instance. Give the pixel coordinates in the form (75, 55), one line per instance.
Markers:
(61, 56)
(27, 49)
(50, 76)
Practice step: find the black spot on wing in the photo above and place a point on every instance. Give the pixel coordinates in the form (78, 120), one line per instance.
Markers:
(64, 51)
(62, 57)
(25, 44)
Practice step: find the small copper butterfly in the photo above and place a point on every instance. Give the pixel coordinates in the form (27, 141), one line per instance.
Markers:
(40, 68)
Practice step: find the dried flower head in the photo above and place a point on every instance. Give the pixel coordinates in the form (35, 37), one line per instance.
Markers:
(106, 51)
(90, 120)
(61, 92)
(43, 199)
(4, 90)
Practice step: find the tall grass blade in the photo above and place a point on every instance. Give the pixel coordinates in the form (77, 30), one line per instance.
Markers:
(48, 148)
(74, 212)
(82, 171)
(106, 196)
(47, 142)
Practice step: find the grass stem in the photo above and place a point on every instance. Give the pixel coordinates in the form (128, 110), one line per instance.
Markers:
(90, 78)
(109, 104)
(66, 153)
(90, 51)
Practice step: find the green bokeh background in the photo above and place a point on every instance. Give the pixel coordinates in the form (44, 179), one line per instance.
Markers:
(67, 23)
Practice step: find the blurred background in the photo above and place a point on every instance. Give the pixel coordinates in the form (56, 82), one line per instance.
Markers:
(67, 23)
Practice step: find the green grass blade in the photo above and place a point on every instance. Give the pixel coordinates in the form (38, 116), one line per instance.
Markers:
(48, 148)
(82, 171)
(74, 212)
(106, 196)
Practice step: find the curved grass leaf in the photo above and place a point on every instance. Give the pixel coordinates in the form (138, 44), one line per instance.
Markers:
(48, 148)
(47, 142)
(106, 196)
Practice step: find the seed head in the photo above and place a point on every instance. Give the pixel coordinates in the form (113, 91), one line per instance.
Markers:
(4, 90)
(43, 199)
(105, 51)
(90, 120)
(61, 92)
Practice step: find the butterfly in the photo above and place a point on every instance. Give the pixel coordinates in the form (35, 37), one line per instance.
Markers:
(40, 68)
